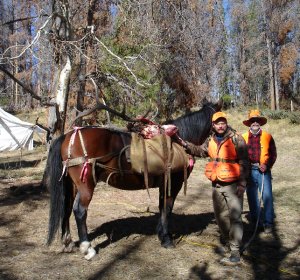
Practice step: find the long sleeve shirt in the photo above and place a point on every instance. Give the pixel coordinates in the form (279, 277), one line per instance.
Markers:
(254, 149)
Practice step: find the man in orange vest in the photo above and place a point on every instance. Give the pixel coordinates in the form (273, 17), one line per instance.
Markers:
(228, 170)
(262, 156)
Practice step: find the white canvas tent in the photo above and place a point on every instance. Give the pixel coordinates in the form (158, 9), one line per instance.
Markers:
(16, 134)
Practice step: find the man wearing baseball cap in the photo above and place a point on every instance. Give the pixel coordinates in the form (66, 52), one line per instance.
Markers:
(227, 169)
(262, 155)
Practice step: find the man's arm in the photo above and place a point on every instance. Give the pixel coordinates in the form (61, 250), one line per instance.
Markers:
(243, 160)
(272, 153)
(197, 150)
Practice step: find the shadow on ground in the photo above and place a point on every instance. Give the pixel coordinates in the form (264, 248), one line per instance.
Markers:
(266, 254)
(23, 192)
(18, 164)
(146, 225)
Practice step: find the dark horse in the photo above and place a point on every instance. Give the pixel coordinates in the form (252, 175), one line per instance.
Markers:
(81, 158)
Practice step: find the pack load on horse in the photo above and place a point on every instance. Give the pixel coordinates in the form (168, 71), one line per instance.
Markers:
(84, 156)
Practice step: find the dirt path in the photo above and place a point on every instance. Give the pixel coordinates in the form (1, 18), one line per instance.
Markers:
(122, 227)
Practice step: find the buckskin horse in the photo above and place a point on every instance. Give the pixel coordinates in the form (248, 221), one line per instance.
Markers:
(82, 157)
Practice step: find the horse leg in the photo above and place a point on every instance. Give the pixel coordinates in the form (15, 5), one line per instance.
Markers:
(66, 234)
(164, 235)
(80, 207)
(165, 213)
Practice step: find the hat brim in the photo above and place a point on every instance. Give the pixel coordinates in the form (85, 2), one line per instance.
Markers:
(261, 121)
(219, 118)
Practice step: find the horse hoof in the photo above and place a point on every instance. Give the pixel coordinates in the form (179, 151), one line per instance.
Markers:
(168, 244)
(68, 248)
(90, 253)
(84, 247)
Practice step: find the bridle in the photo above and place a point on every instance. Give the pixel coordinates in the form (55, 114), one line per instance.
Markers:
(212, 108)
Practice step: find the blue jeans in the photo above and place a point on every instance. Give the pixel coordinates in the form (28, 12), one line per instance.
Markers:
(253, 189)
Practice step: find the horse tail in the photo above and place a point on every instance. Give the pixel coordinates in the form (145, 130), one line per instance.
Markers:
(55, 185)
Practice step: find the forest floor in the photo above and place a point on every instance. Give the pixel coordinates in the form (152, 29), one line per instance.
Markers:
(122, 227)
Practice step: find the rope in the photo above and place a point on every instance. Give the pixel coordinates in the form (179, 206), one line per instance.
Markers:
(119, 159)
(82, 144)
(212, 246)
(258, 218)
(110, 174)
(204, 245)
(113, 168)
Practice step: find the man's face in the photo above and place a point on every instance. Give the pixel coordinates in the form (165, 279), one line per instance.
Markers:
(220, 126)
(255, 126)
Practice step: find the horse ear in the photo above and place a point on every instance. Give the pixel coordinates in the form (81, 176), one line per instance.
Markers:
(204, 101)
(220, 104)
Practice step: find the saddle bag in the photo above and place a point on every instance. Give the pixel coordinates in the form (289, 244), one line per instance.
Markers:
(157, 155)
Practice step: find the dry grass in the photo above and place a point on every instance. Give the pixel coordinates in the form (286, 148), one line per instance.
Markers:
(122, 226)
(23, 163)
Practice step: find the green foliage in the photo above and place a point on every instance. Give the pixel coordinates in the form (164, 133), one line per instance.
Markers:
(138, 87)
(293, 117)
(4, 101)
(226, 101)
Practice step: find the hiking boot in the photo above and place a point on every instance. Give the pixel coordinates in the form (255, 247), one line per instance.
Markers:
(223, 249)
(268, 229)
(234, 259)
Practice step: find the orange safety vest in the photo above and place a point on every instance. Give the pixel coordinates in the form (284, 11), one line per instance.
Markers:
(223, 165)
(265, 140)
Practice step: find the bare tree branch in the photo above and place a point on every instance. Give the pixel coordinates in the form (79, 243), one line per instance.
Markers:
(34, 40)
(22, 19)
(97, 98)
(120, 60)
(27, 89)
(100, 106)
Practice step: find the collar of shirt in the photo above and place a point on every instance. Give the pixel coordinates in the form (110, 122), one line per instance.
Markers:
(254, 135)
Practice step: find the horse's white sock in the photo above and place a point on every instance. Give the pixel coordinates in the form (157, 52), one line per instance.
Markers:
(84, 246)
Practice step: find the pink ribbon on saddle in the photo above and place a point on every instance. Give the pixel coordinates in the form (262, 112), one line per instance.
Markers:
(84, 171)
(191, 163)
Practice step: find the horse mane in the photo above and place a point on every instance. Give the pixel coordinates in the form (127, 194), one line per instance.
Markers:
(195, 126)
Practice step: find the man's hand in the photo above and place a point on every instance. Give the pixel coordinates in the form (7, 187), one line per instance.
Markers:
(263, 168)
(240, 190)
(179, 140)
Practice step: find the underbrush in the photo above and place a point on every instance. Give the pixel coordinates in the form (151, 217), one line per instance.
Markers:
(293, 117)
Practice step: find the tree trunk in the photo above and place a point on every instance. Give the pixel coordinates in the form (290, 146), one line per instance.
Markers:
(276, 85)
(63, 85)
(82, 84)
(62, 30)
(271, 75)
(270, 60)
